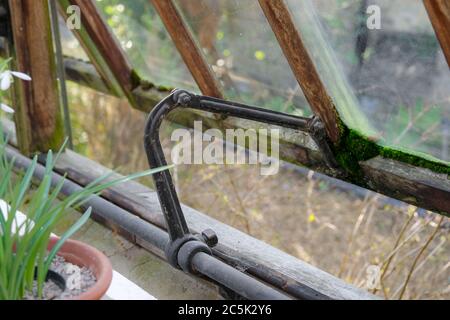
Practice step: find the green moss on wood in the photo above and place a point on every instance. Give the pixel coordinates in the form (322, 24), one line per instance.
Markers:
(352, 149)
(355, 147)
(135, 79)
(56, 140)
(424, 161)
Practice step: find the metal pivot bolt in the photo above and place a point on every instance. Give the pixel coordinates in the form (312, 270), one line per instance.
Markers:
(210, 238)
(182, 97)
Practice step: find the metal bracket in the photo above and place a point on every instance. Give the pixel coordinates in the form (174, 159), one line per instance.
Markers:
(183, 245)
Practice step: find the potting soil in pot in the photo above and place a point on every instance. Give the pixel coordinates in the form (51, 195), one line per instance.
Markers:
(78, 281)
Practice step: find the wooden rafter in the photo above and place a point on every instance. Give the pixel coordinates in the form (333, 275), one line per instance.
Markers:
(103, 48)
(38, 117)
(439, 13)
(294, 49)
(190, 52)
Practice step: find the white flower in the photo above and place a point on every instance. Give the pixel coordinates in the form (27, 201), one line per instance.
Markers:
(6, 108)
(6, 78)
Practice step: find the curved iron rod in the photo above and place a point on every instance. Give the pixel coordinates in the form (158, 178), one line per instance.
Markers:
(168, 198)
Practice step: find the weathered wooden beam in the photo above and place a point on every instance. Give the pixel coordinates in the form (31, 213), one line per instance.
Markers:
(146, 95)
(418, 186)
(188, 48)
(297, 55)
(86, 74)
(439, 13)
(39, 122)
(102, 48)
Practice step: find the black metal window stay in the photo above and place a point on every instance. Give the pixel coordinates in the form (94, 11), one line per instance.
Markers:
(191, 252)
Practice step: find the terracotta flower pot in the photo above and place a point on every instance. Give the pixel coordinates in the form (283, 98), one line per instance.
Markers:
(83, 255)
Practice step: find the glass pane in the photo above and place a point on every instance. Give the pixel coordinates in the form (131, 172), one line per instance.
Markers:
(107, 130)
(146, 42)
(397, 75)
(242, 50)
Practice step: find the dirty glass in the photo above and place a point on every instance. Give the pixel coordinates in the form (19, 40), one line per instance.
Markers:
(396, 75)
(241, 48)
(147, 44)
(107, 130)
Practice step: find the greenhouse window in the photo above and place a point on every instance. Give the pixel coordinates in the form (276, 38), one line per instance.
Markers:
(368, 108)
